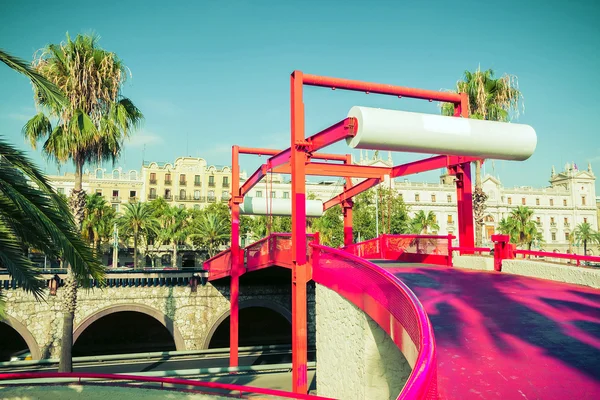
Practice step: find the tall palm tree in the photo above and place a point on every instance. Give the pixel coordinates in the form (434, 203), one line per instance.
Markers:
(33, 215)
(211, 231)
(98, 220)
(584, 233)
(521, 228)
(490, 99)
(174, 229)
(422, 222)
(90, 126)
(137, 220)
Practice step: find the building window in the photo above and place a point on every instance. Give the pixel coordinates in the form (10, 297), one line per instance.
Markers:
(197, 181)
(286, 195)
(182, 180)
(567, 236)
(523, 201)
(211, 196)
(182, 194)
(273, 195)
(450, 218)
(167, 179)
(583, 200)
(510, 200)
(551, 202)
(554, 236)
(537, 202)
(152, 193)
(225, 181)
(565, 202)
(538, 219)
(168, 194)
(259, 193)
(211, 181)
(116, 174)
(585, 220)
(115, 193)
(115, 207)
(433, 198)
(417, 197)
(61, 190)
(196, 194)
(225, 195)
(153, 177)
(196, 206)
(551, 220)
(449, 197)
(98, 192)
(132, 193)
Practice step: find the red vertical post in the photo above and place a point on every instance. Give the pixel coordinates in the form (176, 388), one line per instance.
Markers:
(234, 289)
(450, 237)
(464, 197)
(347, 208)
(300, 271)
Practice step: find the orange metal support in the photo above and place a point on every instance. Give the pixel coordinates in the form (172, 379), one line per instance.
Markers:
(234, 289)
(347, 208)
(464, 198)
(300, 273)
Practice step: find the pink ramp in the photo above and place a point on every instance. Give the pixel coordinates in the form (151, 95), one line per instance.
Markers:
(502, 336)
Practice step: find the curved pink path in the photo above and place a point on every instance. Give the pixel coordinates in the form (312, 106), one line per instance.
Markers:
(502, 336)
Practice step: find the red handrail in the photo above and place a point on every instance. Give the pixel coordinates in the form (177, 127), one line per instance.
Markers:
(471, 249)
(173, 381)
(422, 382)
(550, 254)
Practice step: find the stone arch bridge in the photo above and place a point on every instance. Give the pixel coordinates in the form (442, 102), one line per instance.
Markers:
(163, 307)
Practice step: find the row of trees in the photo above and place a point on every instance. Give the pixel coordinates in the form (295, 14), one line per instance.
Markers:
(525, 232)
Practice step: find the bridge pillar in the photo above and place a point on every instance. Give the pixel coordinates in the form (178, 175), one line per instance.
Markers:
(236, 267)
(464, 199)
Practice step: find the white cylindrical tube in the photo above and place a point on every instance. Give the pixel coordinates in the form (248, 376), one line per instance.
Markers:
(277, 207)
(380, 129)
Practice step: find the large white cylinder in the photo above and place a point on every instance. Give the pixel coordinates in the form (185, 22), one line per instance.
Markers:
(278, 207)
(380, 129)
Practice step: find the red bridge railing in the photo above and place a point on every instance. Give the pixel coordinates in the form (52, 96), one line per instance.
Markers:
(226, 389)
(219, 266)
(427, 249)
(391, 304)
(547, 254)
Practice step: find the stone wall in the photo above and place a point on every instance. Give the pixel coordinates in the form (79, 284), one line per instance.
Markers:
(356, 359)
(556, 272)
(190, 317)
(480, 263)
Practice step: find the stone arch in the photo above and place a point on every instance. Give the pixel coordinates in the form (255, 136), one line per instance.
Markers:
(141, 308)
(26, 335)
(278, 308)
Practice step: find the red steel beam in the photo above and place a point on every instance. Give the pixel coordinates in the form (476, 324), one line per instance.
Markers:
(429, 164)
(368, 87)
(324, 169)
(353, 191)
(271, 152)
(253, 180)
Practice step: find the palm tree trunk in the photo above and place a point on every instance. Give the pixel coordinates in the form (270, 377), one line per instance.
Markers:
(135, 252)
(585, 247)
(478, 222)
(77, 205)
(174, 254)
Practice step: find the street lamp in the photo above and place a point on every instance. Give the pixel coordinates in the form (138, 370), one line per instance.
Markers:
(198, 277)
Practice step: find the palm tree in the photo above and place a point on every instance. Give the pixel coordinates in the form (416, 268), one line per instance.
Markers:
(212, 231)
(421, 222)
(174, 229)
(137, 220)
(521, 229)
(98, 220)
(33, 215)
(90, 126)
(490, 99)
(584, 233)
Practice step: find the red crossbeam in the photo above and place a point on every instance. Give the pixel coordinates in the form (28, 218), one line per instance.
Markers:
(368, 87)
(253, 180)
(429, 164)
(350, 193)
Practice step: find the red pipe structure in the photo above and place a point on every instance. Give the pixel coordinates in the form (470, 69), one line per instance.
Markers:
(297, 161)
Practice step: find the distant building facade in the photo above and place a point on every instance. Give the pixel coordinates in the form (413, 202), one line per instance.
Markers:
(192, 183)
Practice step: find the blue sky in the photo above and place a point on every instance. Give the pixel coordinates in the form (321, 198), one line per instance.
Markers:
(209, 74)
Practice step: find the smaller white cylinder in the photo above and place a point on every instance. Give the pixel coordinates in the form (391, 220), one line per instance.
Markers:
(277, 207)
(380, 129)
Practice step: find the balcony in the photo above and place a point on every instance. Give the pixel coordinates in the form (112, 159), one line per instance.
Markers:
(225, 184)
(153, 181)
(182, 183)
(211, 199)
(197, 183)
(211, 184)
(185, 198)
(168, 182)
(567, 225)
(168, 197)
(133, 199)
(115, 199)
(152, 196)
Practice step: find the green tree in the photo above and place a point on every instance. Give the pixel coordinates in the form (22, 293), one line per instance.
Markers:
(490, 99)
(137, 221)
(174, 230)
(422, 222)
(584, 233)
(33, 215)
(393, 212)
(330, 227)
(363, 216)
(98, 220)
(211, 231)
(90, 126)
(521, 229)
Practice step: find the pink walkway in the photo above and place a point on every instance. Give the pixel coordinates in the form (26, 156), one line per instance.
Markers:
(501, 336)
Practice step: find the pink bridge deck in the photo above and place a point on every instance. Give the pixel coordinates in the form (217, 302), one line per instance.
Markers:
(502, 336)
